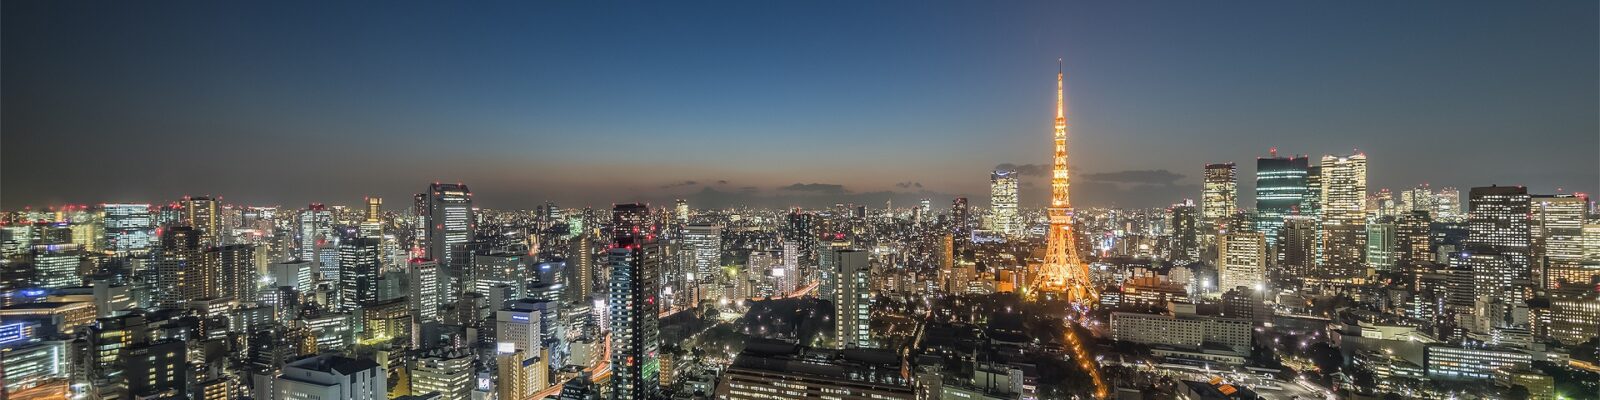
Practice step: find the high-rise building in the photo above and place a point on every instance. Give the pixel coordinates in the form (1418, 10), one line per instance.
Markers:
(1185, 231)
(1556, 228)
(852, 297)
(680, 212)
(202, 213)
(180, 276)
(1412, 247)
(332, 377)
(1311, 205)
(1344, 200)
(1381, 245)
(448, 373)
(448, 218)
(235, 267)
(424, 289)
(1003, 202)
(1242, 260)
(702, 244)
(1447, 205)
(1497, 247)
(316, 231)
(635, 260)
(358, 272)
(128, 227)
(372, 226)
(1221, 191)
(1280, 188)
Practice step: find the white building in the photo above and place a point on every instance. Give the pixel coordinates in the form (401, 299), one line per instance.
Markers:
(329, 377)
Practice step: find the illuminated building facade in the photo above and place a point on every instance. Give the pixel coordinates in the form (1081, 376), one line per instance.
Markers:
(1003, 202)
(1219, 197)
(635, 260)
(1063, 271)
(358, 272)
(129, 229)
(1280, 187)
(1242, 260)
(448, 218)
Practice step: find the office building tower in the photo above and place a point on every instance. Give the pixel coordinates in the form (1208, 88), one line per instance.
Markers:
(1242, 260)
(180, 275)
(448, 373)
(1311, 205)
(1574, 314)
(1297, 244)
(635, 260)
(1280, 187)
(1382, 245)
(768, 369)
(1185, 231)
(680, 212)
(129, 229)
(315, 231)
(1556, 229)
(235, 269)
(1344, 189)
(358, 272)
(424, 289)
(1003, 202)
(580, 264)
(702, 245)
(852, 297)
(448, 217)
(1447, 205)
(333, 377)
(1411, 234)
(56, 266)
(1498, 249)
(1220, 197)
(372, 225)
(961, 217)
(497, 271)
(1344, 198)
(518, 375)
(202, 214)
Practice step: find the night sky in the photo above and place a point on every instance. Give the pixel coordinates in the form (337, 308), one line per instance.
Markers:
(778, 103)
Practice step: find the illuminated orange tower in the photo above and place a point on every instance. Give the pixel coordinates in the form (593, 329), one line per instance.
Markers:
(1062, 271)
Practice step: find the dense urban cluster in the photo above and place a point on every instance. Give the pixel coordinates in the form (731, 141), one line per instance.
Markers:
(1324, 288)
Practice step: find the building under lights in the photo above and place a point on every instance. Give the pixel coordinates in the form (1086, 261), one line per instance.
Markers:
(1003, 202)
(1280, 187)
(635, 260)
(1219, 196)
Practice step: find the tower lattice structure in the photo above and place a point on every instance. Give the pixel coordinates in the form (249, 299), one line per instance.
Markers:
(1063, 271)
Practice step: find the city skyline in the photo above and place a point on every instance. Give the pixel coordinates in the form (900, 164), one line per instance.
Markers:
(777, 127)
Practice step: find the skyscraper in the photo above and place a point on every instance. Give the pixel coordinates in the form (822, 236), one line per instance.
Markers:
(180, 276)
(1343, 205)
(1242, 260)
(202, 214)
(372, 226)
(1280, 187)
(129, 228)
(1221, 192)
(1556, 229)
(316, 231)
(1003, 202)
(1497, 246)
(703, 245)
(447, 214)
(358, 272)
(1185, 231)
(852, 297)
(635, 260)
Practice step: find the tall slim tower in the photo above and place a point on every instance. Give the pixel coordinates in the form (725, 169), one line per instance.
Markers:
(1063, 271)
(1003, 202)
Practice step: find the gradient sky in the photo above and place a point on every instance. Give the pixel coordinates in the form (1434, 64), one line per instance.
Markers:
(588, 103)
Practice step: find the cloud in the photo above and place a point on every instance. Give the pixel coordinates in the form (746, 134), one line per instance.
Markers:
(722, 181)
(1150, 177)
(679, 184)
(824, 188)
(1026, 169)
(908, 185)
